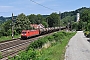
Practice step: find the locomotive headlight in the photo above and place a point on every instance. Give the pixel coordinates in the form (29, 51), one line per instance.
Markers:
(21, 34)
(25, 34)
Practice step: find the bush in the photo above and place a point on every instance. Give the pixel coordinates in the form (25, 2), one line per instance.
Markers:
(1, 34)
(25, 55)
(1, 55)
(50, 38)
(87, 34)
(58, 36)
(37, 44)
(32, 54)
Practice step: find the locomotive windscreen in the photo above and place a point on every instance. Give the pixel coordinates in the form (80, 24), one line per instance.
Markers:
(23, 32)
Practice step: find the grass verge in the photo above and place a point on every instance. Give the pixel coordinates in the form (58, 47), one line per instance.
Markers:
(4, 38)
(55, 52)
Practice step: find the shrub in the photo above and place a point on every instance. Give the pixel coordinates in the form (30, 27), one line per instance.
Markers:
(1, 55)
(87, 34)
(32, 54)
(25, 55)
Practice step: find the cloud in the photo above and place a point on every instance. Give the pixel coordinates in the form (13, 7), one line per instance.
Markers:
(5, 8)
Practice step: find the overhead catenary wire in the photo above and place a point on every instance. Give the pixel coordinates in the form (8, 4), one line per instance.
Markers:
(42, 5)
(47, 8)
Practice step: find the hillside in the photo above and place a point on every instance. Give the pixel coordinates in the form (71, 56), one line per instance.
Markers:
(3, 19)
(63, 15)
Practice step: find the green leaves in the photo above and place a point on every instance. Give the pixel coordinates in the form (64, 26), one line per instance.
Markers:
(32, 54)
(53, 20)
(22, 23)
(6, 28)
(25, 55)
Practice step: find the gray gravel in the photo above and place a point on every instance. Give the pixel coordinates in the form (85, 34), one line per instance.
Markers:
(78, 48)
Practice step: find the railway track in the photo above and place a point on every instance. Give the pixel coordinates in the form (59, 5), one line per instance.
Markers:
(11, 48)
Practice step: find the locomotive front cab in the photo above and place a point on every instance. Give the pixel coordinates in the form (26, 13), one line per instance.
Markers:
(24, 34)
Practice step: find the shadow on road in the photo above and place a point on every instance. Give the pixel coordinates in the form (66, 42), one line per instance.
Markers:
(88, 40)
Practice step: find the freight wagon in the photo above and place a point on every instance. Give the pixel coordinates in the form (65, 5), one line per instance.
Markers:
(29, 33)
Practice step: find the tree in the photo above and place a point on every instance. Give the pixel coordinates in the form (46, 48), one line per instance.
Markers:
(75, 26)
(44, 23)
(85, 14)
(33, 19)
(40, 19)
(53, 20)
(80, 25)
(85, 17)
(22, 23)
(6, 28)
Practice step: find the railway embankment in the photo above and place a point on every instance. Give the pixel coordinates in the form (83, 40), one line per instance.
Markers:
(46, 48)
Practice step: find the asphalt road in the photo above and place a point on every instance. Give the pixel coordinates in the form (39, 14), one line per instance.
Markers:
(78, 48)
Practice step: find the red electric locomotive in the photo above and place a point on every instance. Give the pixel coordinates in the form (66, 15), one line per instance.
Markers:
(29, 33)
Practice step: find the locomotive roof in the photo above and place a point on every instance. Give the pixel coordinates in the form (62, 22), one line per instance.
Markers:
(27, 30)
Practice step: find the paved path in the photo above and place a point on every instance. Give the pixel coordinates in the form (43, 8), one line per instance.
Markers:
(78, 48)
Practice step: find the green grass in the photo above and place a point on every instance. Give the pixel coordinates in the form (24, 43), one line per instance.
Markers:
(55, 52)
(4, 38)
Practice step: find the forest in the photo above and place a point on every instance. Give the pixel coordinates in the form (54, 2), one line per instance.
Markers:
(23, 22)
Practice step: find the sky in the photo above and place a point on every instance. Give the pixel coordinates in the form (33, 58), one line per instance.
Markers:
(7, 7)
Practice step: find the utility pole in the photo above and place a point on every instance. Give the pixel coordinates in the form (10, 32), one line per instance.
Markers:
(12, 27)
(71, 25)
(68, 26)
(47, 22)
(60, 21)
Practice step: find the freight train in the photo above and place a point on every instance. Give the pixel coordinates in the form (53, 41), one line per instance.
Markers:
(29, 33)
